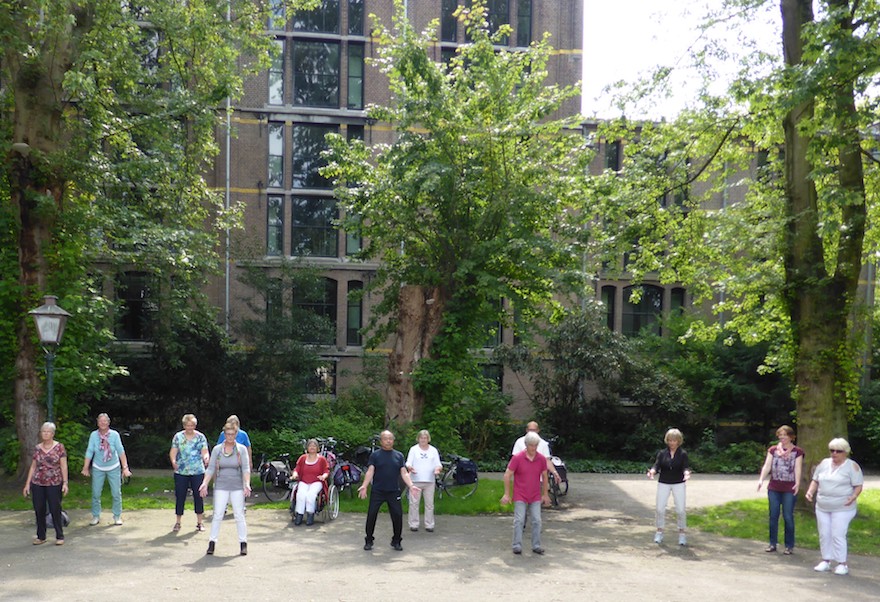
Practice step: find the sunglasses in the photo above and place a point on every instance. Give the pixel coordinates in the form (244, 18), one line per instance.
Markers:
(837, 451)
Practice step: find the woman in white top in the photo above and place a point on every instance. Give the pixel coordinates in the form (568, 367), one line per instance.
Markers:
(423, 464)
(837, 483)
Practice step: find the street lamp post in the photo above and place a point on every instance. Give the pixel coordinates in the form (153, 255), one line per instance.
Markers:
(50, 320)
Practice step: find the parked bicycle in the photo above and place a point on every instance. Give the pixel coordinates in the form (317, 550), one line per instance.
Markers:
(458, 478)
(558, 488)
(275, 477)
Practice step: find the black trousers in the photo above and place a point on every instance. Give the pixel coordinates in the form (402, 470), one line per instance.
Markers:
(392, 498)
(182, 483)
(47, 494)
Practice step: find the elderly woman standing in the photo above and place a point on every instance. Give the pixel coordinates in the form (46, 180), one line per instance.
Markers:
(47, 482)
(230, 467)
(784, 464)
(105, 456)
(423, 464)
(311, 471)
(836, 485)
(673, 469)
(189, 456)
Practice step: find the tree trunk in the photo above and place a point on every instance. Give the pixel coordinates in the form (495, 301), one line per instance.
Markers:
(419, 319)
(820, 304)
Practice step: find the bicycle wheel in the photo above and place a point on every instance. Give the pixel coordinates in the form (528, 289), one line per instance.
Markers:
(333, 502)
(456, 489)
(275, 486)
(563, 487)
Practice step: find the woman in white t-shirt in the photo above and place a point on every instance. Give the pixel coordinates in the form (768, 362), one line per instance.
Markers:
(837, 483)
(423, 464)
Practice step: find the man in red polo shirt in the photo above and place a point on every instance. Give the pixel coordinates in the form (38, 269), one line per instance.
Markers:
(530, 488)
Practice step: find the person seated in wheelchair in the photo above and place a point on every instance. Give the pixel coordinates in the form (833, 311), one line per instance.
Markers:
(312, 471)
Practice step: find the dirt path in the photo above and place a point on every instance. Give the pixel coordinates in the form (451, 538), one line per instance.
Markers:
(598, 548)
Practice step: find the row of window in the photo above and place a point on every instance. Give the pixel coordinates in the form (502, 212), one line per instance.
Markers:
(315, 67)
(643, 315)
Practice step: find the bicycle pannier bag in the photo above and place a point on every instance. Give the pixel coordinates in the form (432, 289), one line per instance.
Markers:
(465, 471)
(341, 469)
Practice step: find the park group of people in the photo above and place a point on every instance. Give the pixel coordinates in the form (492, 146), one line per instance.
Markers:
(835, 485)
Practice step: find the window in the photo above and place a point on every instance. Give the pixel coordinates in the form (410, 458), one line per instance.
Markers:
(308, 144)
(354, 132)
(609, 296)
(355, 17)
(324, 19)
(354, 319)
(322, 303)
(277, 15)
(355, 76)
(493, 330)
(312, 229)
(276, 75)
(274, 304)
(275, 225)
(275, 177)
(136, 310)
(523, 22)
(494, 373)
(448, 23)
(612, 155)
(677, 300)
(646, 313)
(498, 15)
(323, 381)
(316, 74)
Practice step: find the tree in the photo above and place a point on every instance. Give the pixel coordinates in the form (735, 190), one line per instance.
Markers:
(784, 263)
(468, 206)
(109, 120)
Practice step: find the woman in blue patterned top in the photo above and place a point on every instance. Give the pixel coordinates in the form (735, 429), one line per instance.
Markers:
(189, 456)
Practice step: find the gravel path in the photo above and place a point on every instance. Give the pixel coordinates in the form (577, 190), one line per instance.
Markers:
(598, 548)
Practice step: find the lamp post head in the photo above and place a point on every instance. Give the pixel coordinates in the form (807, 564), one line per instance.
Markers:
(50, 320)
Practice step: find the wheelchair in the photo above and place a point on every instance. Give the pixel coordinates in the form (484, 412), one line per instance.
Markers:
(326, 504)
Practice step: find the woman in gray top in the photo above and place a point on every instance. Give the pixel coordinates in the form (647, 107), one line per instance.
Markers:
(230, 468)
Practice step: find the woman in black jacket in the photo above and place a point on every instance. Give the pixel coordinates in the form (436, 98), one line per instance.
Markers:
(673, 469)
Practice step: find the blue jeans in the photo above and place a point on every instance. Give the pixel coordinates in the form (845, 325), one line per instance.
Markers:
(784, 500)
(519, 519)
(183, 483)
(114, 476)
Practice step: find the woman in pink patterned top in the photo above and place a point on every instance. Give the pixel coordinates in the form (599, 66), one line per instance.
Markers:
(47, 482)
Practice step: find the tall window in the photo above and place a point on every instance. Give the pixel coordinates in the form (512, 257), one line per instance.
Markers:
(646, 313)
(322, 303)
(354, 319)
(308, 144)
(275, 177)
(609, 296)
(499, 14)
(275, 225)
(355, 76)
(448, 23)
(277, 16)
(316, 74)
(495, 373)
(324, 19)
(355, 17)
(677, 300)
(274, 304)
(312, 230)
(523, 22)
(276, 75)
(136, 309)
(612, 155)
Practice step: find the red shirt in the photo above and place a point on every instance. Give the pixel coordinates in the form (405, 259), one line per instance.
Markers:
(48, 470)
(527, 477)
(309, 473)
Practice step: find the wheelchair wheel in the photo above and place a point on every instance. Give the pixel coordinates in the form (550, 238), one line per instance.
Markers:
(333, 503)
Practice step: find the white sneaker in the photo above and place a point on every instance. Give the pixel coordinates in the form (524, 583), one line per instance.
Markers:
(841, 569)
(658, 537)
(822, 567)
(682, 539)
(95, 520)
(117, 520)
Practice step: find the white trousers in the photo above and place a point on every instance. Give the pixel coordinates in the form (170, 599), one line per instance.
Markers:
(222, 497)
(832, 533)
(426, 492)
(306, 496)
(678, 495)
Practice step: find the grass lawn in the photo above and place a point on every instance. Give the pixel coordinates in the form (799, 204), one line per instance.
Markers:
(748, 520)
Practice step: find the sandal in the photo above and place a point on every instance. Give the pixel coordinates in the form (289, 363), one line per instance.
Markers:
(176, 527)
(788, 551)
(200, 527)
(770, 549)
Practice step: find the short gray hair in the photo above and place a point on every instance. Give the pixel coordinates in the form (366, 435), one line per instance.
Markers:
(187, 418)
(425, 433)
(48, 425)
(532, 438)
(839, 443)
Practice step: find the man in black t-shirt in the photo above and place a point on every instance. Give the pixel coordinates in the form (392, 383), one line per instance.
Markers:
(384, 470)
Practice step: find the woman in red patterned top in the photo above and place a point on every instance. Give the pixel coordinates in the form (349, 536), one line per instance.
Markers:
(47, 482)
(312, 471)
